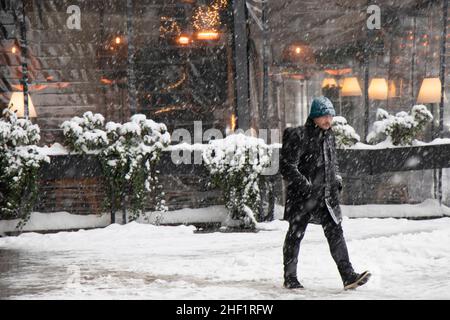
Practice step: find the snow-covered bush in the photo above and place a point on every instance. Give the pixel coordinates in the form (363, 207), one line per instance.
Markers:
(130, 160)
(128, 154)
(345, 135)
(236, 164)
(401, 128)
(20, 160)
(84, 134)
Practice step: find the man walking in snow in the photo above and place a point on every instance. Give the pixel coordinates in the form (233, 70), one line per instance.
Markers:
(309, 165)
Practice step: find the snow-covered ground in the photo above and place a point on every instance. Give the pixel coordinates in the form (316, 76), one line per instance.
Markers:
(409, 259)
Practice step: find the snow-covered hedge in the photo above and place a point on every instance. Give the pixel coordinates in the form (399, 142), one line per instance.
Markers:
(86, 133)
(345, 134)
(128, 153)
(20, 160)
(236, 164)
(402, 128)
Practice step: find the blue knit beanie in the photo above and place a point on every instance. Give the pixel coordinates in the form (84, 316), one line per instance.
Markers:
(321, 106)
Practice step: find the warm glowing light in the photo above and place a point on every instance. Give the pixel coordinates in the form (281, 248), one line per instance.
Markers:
(207, 35)
(350, 87)
(298, 53)
(338, 72)
(118, 40)
(17, 105)
(329, 82)
(392, 89)
(14, 50)
(233, 122)
(176, 84)
(294, 76)
(169, 109)
(183, 40)
(32, 87)
(220, 4)
(40, 87)
(206, 18)
(169, 27)
(106, 81)
(430, 91)
(378, 89)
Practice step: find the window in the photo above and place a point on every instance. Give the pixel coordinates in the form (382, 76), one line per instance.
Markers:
(171, 60)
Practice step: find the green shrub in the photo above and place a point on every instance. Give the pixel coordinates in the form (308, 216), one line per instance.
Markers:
(402, 128)
(20, 160)
(236, 164)
(128, 154)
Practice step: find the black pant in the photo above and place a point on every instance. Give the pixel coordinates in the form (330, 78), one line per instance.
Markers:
(333, 233)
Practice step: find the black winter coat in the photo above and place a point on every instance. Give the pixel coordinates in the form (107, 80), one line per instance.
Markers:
(311, 175)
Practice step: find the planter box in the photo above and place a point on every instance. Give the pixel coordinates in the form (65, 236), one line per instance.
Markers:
(375, 161)
(73, 182)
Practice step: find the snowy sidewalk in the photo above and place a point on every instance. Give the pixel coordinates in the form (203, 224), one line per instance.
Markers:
(408, 259)
(64, 221)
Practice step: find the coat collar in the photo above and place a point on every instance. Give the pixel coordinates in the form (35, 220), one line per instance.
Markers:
(315, 130)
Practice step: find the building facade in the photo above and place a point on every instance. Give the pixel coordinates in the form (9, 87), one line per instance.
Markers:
(171, 60)
(229, 64)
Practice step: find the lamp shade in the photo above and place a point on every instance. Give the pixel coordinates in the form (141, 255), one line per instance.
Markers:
(378, 89)
(430, 91)
(350, 87)
(17, 105)
(329, 82)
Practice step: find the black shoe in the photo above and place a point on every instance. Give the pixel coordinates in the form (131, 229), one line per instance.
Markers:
(292, 283)
(356, 280)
